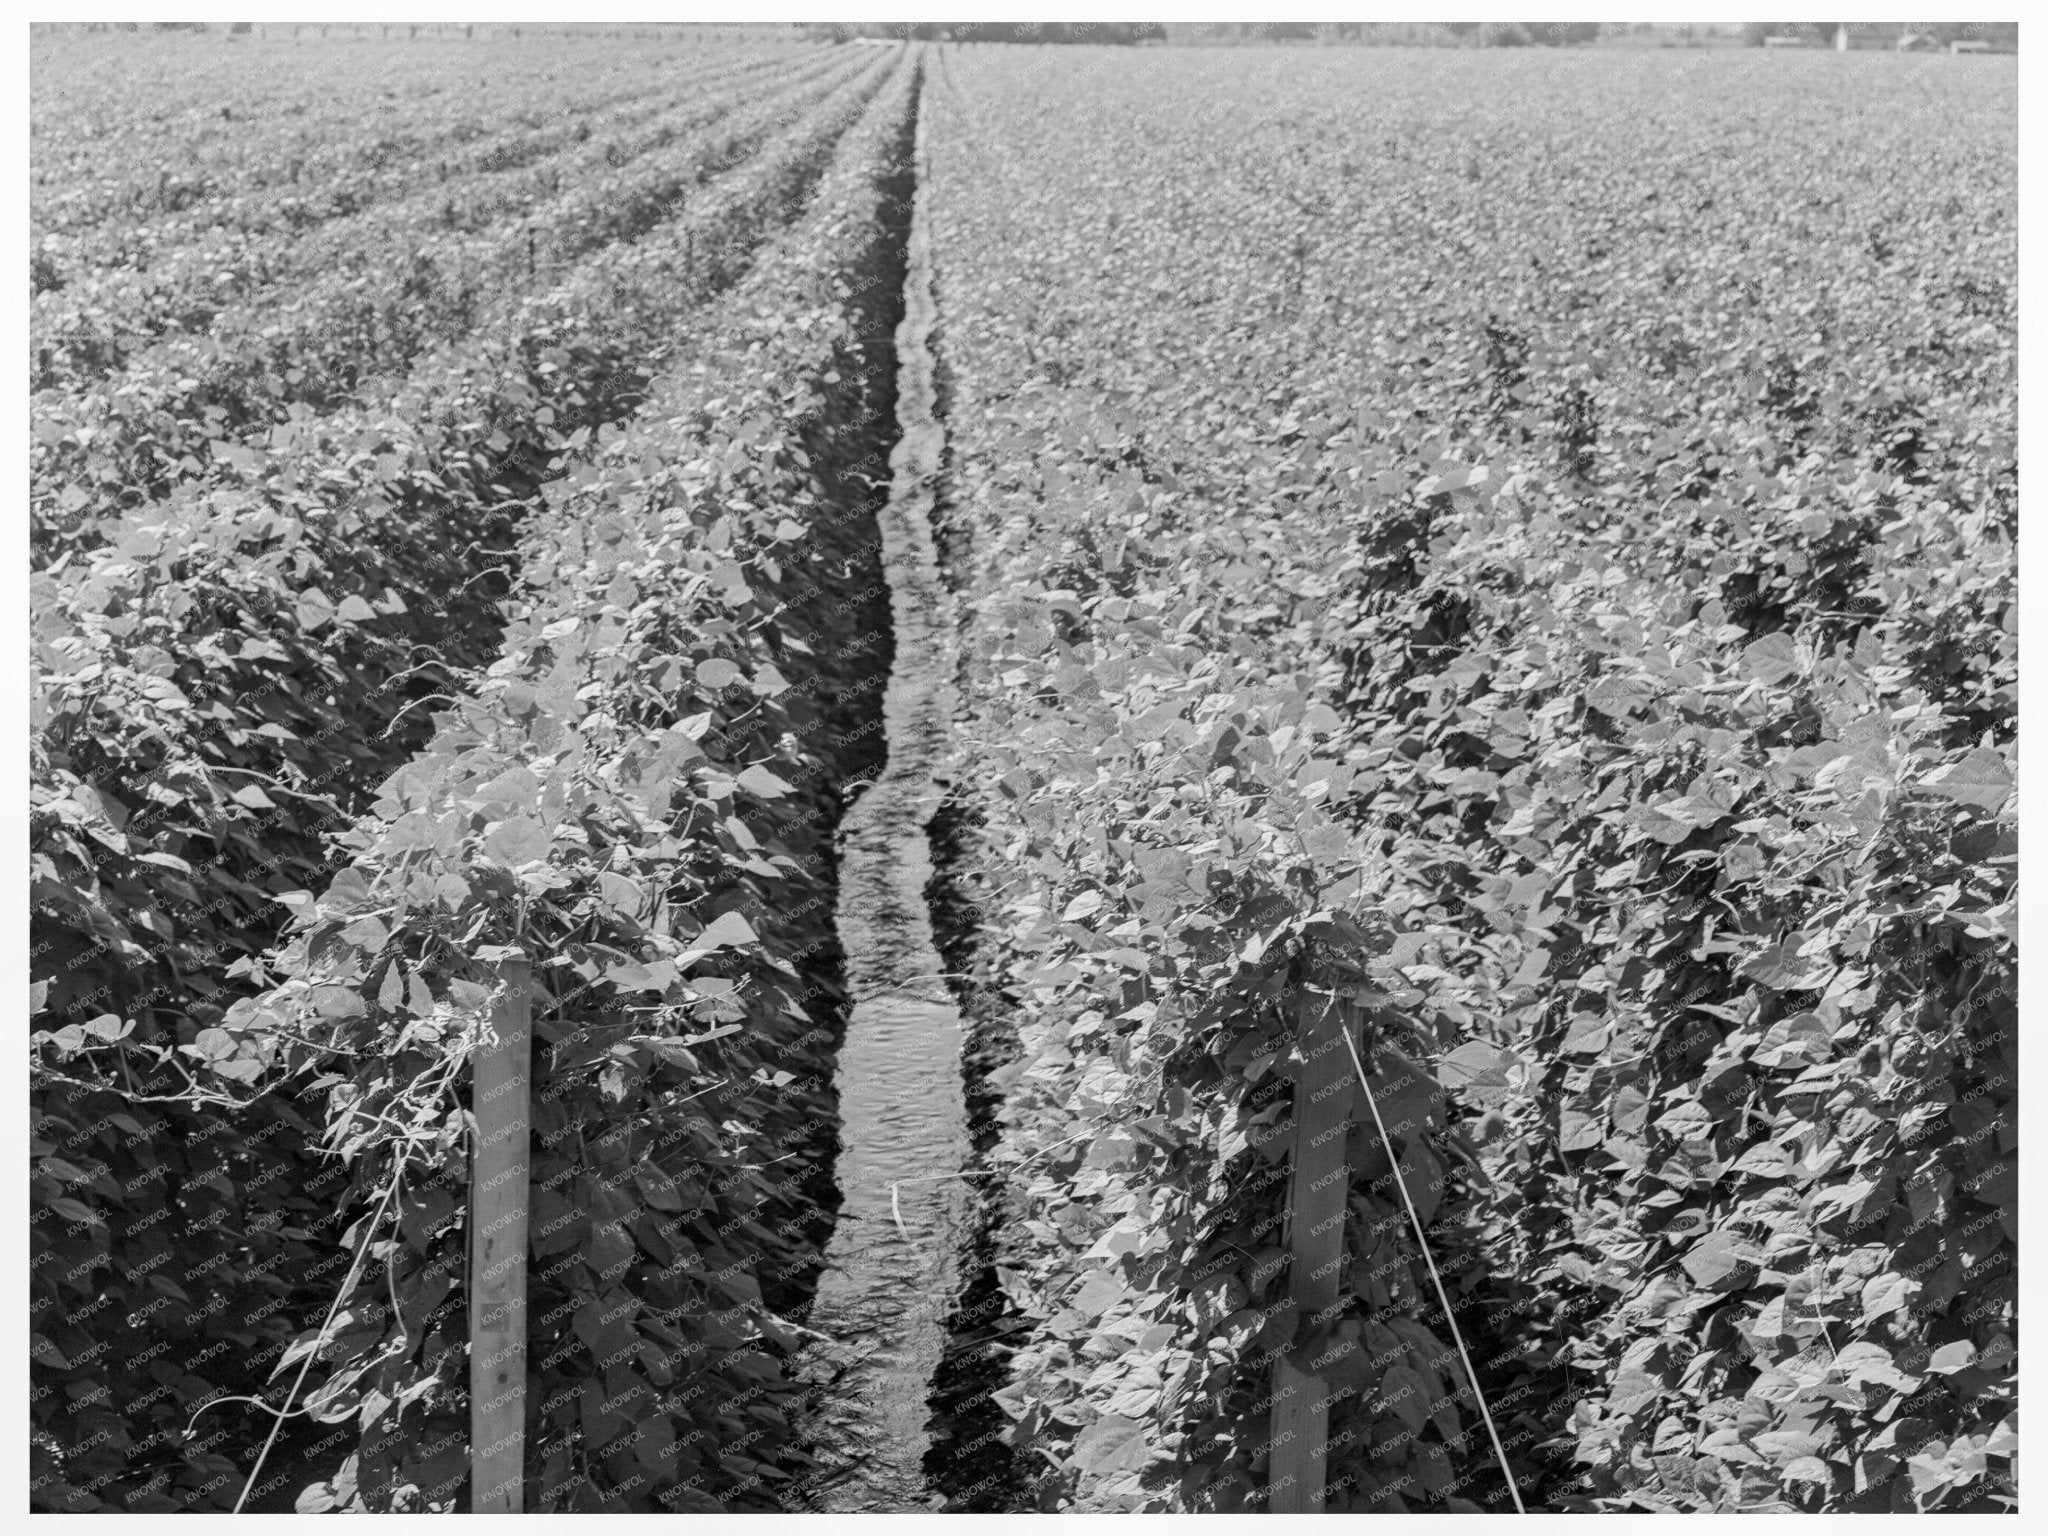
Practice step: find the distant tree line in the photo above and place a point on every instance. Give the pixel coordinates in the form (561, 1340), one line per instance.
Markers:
(2001, 35)
(1117, 32)
(413, 31)
(1455, 34)
(1525, 34)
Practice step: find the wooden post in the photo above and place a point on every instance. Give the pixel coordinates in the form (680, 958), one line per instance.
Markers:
(1319, 1186)
(501, 1094)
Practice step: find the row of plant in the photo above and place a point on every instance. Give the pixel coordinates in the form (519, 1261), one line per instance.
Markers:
(1172, 900)
(116, 324)
(1738, 917)
(339, 173)
(531, 367)
(639, 797)
(1600, 639)
(213, 704)
(223, 144)
(231, 287)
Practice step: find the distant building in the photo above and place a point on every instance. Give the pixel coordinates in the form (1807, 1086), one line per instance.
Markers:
(1917, 37)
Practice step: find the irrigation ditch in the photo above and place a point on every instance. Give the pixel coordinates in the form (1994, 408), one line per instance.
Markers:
(893, 1297)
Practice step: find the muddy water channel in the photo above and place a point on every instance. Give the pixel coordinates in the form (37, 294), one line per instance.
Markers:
(892, 1266)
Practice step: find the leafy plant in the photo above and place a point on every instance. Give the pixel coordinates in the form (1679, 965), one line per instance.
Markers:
(1647, 616)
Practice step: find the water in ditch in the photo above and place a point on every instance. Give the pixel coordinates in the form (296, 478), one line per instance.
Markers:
(891, 1274)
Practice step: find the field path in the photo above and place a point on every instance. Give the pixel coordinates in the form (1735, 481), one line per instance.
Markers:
(892, 1267)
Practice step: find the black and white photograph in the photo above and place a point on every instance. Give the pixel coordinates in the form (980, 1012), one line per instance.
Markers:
(801, 767)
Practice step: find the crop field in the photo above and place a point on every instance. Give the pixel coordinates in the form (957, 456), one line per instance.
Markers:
(780, 776)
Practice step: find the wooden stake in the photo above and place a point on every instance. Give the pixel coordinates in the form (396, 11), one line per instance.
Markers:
(1319, 1186)
(502, 1100)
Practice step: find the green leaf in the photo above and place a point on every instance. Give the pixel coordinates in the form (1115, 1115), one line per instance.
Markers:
(1423, 1176)
(1772, 659)
(518, 840)
(518, 786)
(1786, 1445)
(1932, 1469)
(1097, 1293)
(722, 932)
(1783, 970)
(657, 1188)
(214, 1045)
(1405, 1395)
(1766, 1160)
(760, 781)
(1687, 1121)
(1475, 1064)
(1683, 1224)
(654, 1448)
(1630, 1108)
(1951, 1358)
(334, 1002)
(1085, 905)
(1155, 722)
(313, 609)
(1980, 777)
(1578, 1130)
(1409, 1097)
(619, 893)
(605, 1325)
(1721, 1261)
(1885, 1294)
(556, 1224)
(1111, 1445)
(1863, 1361)
(1801, 1038)
(109, 1027)
(1809, 1469)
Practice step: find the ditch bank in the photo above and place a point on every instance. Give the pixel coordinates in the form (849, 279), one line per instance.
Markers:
(971, 1463)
